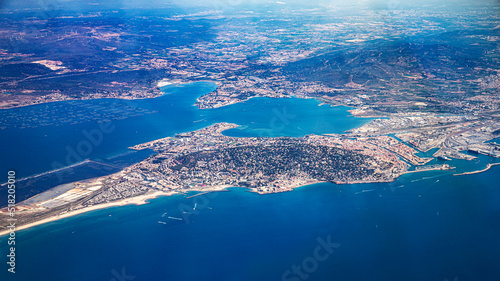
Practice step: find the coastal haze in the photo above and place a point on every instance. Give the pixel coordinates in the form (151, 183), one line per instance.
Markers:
(249, 140)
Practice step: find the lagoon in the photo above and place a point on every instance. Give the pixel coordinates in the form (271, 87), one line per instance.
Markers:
(41, 147)
(423, 226)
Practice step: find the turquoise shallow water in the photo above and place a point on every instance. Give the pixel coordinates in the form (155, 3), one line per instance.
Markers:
(57, 141)
(423, 226)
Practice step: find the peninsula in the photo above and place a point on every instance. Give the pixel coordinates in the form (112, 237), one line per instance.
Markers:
(207, 160)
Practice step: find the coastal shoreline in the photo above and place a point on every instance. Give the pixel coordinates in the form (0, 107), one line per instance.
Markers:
(124, 98)
(143, 199)
(138, 200)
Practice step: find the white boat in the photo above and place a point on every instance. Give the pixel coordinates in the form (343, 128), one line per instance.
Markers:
(174, 218)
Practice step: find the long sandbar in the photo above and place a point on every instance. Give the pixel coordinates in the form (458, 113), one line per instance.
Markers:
(138, 200)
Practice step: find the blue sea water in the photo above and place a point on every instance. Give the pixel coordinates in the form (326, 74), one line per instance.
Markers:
(431, 229)
(424, 226)
(56, 140)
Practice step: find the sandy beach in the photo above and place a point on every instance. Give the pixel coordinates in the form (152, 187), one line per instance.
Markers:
(142, 199)
(139, 200)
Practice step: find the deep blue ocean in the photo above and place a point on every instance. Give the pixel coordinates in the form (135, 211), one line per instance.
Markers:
(424, 226)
